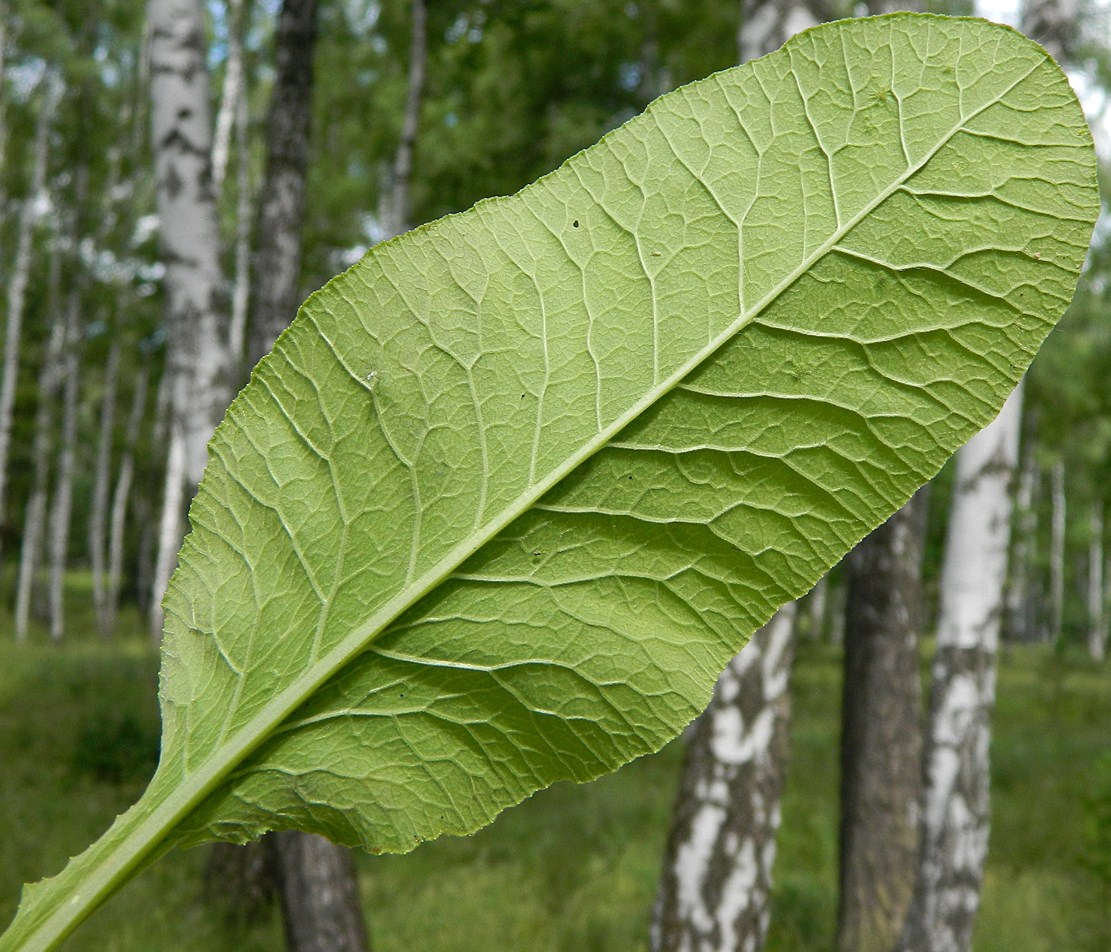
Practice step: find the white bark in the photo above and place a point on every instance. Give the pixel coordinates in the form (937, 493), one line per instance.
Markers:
(1057, 550)
(61, 507)
(816, 603)
(398, 218)
(171, 528)
(196, 351)
(230, 95)
(34, 521)
(955, 814)
(18, 277)
(102, 477)
(716, 884)
(244, 215)
(1097, 625)
(120, 495)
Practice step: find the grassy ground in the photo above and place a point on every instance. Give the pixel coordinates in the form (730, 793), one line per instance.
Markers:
(575, 867)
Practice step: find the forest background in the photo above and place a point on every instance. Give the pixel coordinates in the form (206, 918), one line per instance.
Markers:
(327, 126)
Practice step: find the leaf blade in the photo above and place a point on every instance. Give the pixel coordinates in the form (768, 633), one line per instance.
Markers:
(594, 213)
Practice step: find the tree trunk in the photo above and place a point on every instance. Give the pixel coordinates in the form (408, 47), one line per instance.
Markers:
(120, 496)
(230, 95)
(34, 522)
(955, 812)
(276, 274)
(244, 212)
(1057, 551)
(316, 878)
(716, 885)
(398, 218)
(1021, 617)
(18, 277)
(196, 355)
(320, 896)
(102, 479)
(1097, 626)
(62, 504)
(881, 739)
(816, 608)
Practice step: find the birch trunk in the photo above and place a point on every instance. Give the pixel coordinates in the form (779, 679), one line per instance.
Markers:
(196, 317)
(399, 214)
(1057, 551)
(881, 737)
(276, 274)
(716, 886)
(244, 213)
(1097, 626)
(18, 277)
(230, 95)
(102, 478)
(315, 878)
(61, 508)
(117, 522)
(1021, 616)
(816, 607)
(34, 522)
(955, 811)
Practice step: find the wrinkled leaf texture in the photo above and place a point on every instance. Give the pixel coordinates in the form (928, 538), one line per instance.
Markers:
(512, 490)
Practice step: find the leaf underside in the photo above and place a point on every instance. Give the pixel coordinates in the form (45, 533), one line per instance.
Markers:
(512, 490)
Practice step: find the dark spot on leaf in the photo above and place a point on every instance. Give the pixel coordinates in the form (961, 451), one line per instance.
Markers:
(575, 223)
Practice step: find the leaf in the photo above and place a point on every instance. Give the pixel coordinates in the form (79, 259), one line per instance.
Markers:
(512, 490)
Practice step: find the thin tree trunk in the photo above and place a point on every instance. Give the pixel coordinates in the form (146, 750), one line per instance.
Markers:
(120, 496)
(955, 812)
(1021, 616)
(881, 739)
(230, 95)
(1097, 627)
(316, 878)
(1057, 551)
(398, 219)
(34, 522)
(62, 503)
(276, 274)
(716, 885)
(171, 527)
(102, 478)
(196, 315)
(816, 607)
(244, 213)
(20, 273)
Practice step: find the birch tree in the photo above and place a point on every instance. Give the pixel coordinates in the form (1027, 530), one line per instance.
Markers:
(955, 809)
(17, 279)
(398, 213)
(715, 889)
(315, 878)
(196, 316)
(61, 505)
(34, 520)
(121, 494)
(1097, 625)
(881, 734)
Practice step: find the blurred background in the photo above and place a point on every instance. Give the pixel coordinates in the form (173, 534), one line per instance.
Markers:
(176, 176)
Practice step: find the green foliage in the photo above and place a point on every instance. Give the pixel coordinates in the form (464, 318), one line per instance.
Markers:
(511, 491)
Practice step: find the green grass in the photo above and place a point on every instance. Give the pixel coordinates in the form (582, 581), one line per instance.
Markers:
(575, 867)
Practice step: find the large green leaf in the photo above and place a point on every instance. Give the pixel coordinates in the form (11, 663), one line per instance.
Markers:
(512, 490)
